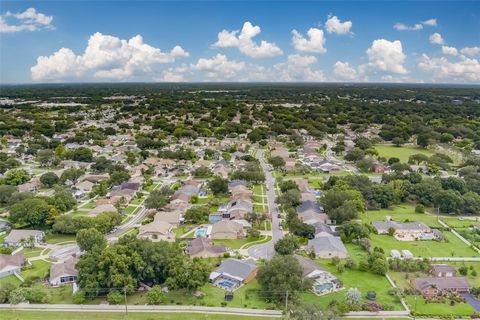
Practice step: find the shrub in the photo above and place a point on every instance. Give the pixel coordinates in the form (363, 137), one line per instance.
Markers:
(420, 208)
(114, 297)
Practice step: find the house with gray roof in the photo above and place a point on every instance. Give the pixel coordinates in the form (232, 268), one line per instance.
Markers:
(11, 264)
(204, 248)
(17, 237)
(326, 247)
(64, 272)
(407, 231)
(233, 273)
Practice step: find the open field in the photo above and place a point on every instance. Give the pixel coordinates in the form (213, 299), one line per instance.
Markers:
(364, 281)
(41, 315)
(420, 307)
(451, 247)
(402, 153)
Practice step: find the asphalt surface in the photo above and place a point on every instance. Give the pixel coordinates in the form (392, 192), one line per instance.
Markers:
(266, 250)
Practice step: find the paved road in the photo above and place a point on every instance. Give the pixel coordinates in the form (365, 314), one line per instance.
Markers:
(144, 308)
(266, 250)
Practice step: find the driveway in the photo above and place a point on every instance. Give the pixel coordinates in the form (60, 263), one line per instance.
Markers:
(266, 250)
(474, 302)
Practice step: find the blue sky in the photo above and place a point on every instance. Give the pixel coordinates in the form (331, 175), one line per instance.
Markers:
(83, 41)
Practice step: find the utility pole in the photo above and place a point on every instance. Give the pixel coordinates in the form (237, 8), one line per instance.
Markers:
(286, 301)
(125, 296)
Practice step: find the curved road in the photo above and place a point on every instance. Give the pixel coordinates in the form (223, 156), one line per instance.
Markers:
(266, 250)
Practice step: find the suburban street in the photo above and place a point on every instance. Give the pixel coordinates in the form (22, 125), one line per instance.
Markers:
(266, 250)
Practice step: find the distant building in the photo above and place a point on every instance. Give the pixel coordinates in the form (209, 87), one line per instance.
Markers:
(442, 270)
(17, 238)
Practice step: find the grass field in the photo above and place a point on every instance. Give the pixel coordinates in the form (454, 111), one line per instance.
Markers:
(364, 281)
(402, 153)
(54, 238)
(39, 269)
(235, 243)
(420, 307)
(419, 248)
(41, 315)
(451, 247)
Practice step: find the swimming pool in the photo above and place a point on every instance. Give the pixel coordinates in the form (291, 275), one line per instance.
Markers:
(320, 288)
(226, 284)
(200, 232)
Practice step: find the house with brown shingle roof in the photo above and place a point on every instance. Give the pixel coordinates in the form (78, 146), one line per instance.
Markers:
(226, 229)
(156, 231)
(204, 248)
(10, 264)
(63, 272)
(431, 287)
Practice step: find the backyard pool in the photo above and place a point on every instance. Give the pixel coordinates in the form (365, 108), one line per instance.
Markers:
(324, 287)
(225, 284)
(200, 232)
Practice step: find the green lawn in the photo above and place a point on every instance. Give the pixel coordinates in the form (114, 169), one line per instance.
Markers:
(44, 315)
(400, 213)
(152, 187)
(130, 209)
(244, 297)
(260, 208)
(257, 189)
(57, 238)
(402, 153)
(418, 248)
(438, 309)
(89, 205)
(31, 252)
(39, 269)
(451, 247)
(181, 230)
(137, 201)
(236, 243)
(364, 281)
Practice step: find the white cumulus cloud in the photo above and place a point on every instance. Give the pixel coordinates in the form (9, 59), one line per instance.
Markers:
(335, 25)
(343, 71)
(436, 38)
(105, 57)
(297, 68)
(243, 40)
(464, 69)
(417, 26)
(386, 56)
(314, 44)
(219, 64)
(470, 51)
(450, 50)
(28, 20)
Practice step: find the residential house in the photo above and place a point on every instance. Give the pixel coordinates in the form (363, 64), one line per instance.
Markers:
(311, 212)
(203, 247)
(11, 264)
(226, 229)
(173, 217)
(17, 238)
(408, 231)
(233, 273)
(156, 231)
(180, 197)
(327, 247)
(63, 272)
(323, 282)
(431, 287)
